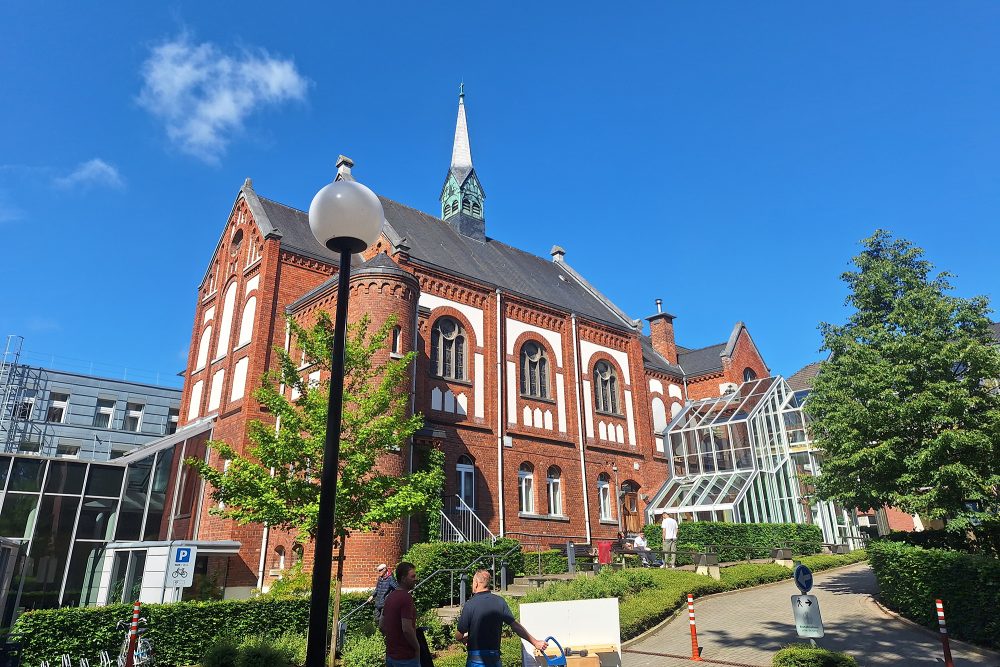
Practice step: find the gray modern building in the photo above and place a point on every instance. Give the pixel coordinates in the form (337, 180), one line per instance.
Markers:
(57, 413)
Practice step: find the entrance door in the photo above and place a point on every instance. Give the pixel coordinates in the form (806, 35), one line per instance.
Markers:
(630, 510)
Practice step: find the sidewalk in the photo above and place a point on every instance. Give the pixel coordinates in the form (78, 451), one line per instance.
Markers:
(748, 627)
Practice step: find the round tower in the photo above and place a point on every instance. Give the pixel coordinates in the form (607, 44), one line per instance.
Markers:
(381, 289)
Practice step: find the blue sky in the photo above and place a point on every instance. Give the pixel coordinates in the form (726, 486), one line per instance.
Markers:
(725, 157)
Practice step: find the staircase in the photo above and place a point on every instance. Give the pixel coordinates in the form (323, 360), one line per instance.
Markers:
(460, 523)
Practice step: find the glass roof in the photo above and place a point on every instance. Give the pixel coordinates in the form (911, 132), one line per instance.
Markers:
(719, 491)
(735, 406)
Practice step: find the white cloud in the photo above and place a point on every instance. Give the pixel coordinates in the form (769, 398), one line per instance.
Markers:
(203, 95)
(94, 172)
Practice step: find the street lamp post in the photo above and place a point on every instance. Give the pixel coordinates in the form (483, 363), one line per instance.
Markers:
(345, 217)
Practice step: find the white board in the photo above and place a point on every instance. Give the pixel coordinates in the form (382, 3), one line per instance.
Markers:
(573, 623)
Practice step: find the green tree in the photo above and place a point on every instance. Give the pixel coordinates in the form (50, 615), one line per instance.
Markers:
(906, 407)
(277, 481)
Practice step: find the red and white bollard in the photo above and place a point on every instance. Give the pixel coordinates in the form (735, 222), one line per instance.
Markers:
(133, 636)
(695, 651)
(948, 662)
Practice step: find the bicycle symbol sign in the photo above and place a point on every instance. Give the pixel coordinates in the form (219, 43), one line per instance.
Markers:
(180, 567)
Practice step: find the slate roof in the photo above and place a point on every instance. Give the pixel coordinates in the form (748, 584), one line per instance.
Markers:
(434, 242)
(803, 378)
(652, 359)
(995, 326)
(700, 361)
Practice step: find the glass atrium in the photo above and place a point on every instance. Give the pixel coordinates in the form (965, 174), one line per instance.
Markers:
(741, 457)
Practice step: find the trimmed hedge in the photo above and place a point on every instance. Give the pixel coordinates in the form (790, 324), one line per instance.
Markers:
(803, 655)
(553, 561)
(983, 539)
(910, 579)
(753, 540)
(181, 632)
(432, 556)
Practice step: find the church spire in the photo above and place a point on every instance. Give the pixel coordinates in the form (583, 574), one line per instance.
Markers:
(462, 196)
(461, 152)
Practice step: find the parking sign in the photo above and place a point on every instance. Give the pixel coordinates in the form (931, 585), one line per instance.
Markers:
(180, 566)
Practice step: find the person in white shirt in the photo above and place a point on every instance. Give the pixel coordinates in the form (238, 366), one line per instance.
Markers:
(641, 547)
(669, 526)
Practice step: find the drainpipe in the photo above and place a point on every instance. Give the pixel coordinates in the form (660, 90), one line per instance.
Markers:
(267, 529)
(581, 426)
(501, 384)
(413, 403)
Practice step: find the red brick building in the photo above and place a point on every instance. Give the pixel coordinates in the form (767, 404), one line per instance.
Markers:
(544, 396)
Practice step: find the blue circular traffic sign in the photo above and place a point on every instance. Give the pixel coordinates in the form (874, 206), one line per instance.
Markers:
(803, 577)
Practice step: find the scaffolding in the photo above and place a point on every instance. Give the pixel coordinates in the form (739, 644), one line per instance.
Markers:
(19, 386)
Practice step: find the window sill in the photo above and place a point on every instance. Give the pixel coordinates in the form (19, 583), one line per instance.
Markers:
(617, 415)
(467, 383)
(608, 522)
(241, 346)
(217, 359)
(538, 399)
(395, 355)
(252, 265)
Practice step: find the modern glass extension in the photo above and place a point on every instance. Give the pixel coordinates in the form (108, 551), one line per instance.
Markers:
(732, 459)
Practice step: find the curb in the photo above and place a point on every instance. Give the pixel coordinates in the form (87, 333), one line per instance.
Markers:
(970, 649)
(683, 608)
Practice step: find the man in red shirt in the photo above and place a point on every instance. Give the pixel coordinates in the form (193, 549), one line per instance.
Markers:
(398, 622)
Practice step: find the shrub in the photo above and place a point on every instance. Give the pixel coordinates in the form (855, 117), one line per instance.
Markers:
(258, 652)
(223, 653)
(181, 632)
(826, 561)
(292, 645)
(550, 561)
(438, 634)
(802, 655)
(467, 556)
(738, 541)
(983, 539)
(911, 578)
(745, 575)
(365, 651)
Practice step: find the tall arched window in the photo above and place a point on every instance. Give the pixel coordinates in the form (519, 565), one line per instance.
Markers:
(222, 346)
(206, 339)
(526, 488)
(466, 472)
(397, 340)
(605, 388)
(604, 495)
(553, 482)
(279, 558)
(246, 322)
(749, 374)
(534, 371)
(448, 349)
(297, 553)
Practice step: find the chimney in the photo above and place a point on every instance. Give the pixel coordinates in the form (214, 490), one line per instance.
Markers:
(661, 332)
(344, 165)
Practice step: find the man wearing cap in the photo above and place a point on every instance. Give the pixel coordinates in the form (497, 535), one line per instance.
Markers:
(384, 585)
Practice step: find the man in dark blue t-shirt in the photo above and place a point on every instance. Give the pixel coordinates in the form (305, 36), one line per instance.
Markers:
(481, 620)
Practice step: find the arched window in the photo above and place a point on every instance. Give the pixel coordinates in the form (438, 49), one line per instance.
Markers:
(237, 243)
(448, 349)
(605, 388)
(454, 206)
(604, 495)
(476, 208)
(526, 488)
(466, 472)
(749, 374)
(246, 322)
(534, 371)
(297, 553)
(466, 206)
(279, 558)
(206, 339)
(553, 482)
(397, 342)
(227, 322)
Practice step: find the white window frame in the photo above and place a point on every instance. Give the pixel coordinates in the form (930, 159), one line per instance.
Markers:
(26, 406)
(173, 419)
(108, 410)
(554, 487)
(526, 490)
(604, 498)
(132, 413)
(466, 481)
(57, 404)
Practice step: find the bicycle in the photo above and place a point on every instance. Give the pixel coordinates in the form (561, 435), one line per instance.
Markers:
(143, 653)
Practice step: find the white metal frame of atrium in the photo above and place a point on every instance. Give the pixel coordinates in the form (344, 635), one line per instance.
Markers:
(737, 457)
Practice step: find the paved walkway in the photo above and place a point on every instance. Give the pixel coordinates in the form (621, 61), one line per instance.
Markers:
(747, 627)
